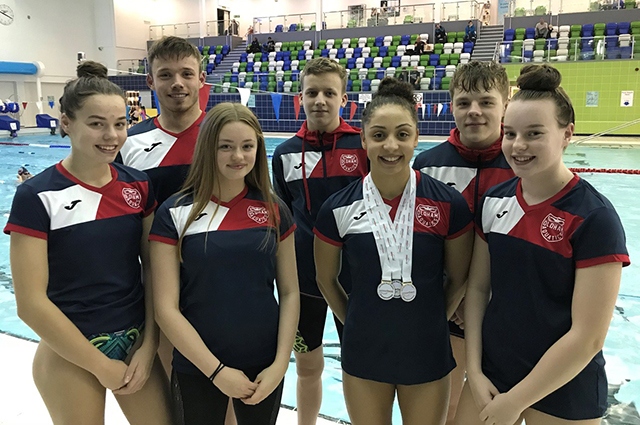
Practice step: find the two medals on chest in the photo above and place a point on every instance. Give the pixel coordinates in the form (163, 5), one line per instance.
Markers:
(394, 240)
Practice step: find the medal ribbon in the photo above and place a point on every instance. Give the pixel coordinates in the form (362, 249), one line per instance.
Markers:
(394, 240)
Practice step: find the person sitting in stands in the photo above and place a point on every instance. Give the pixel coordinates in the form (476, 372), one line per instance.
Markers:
(470, 33)
(440, 34)
(254, 47)
(542, 29)
(271, 45)
(419, 46)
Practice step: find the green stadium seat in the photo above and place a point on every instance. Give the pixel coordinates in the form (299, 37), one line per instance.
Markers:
(242, 67)
(386, 61)
(322, 44)
(317, 53)
(227, 77)
(408, 19)
(576, 30)
(460, 37)
(371, 42)
(271, 87)
(451, 37)
(295, 86)
(424, 60)
(540, 44)
(395, 40)
(444, 59)
(413, 39)
(353, 74)
(429, 71)
(257, 57)
(271, 76)
(343, 62)
(205, 50)
(249, 76)
(302, 64)
(371, 75)
(287, 76)
(218, 50)
(233, 88)
(338, 43)
(598, 29)
(352, 23)
(540, 11)
(393, 50)
(375, 51)
(444, 84)
(218, 88)
(520, 32)
(355, 85)
(635, 29)
(437, 48)
(454, 59)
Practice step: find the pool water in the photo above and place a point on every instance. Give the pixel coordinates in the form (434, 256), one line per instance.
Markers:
(622, 346)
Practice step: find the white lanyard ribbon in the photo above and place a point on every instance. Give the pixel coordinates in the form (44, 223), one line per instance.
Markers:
(394, 240)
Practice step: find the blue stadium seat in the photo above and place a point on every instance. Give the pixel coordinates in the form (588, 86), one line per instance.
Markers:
(509, 34)
(612, 53)
(623, 27)
(553, 43)
(287, 56)
(295, 75)
(379, 41)
(200, 49)
(243, 57)
(380, 74)
(587, 30)
(625, 52)
(440, 71)
(348, 85)
(351, 63)
(611, 41)
(210, 68)
(368, 62)
(234, 77)
(340, 54)
(357, 52)
(611, 28)
(293, 27)
(280, 86)
(286, 66)
(467, 47)
(383, 52)
(395, 61)
(528, 55)
(279, 56)
(366, 85)
(434, 60)
(324, 53)
(405, 40)
(530, 33)
(301, 55)
(218, 59)
(435, 83)
(264, 85)
(279, 28)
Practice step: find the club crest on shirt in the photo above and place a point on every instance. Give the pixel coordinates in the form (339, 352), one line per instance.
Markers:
(428, 215)
(132, 197)
(349, 162)
(258, 214)
(552, 228)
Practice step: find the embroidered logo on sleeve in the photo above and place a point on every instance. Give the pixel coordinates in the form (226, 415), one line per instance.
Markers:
(428, 215)
(132, 197)
(258, 214)
(552, 228)
(349, 162)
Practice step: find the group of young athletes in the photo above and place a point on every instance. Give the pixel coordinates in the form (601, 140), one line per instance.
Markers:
(161, 247)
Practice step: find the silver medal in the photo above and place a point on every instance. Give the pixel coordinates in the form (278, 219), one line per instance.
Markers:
(397, 287)
(385, 290)
(408, 292)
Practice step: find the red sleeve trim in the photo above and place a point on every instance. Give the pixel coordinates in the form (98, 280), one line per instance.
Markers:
(162, 239)
(323, 238)
(461, 232)
(479, 232)
(25, 231)
(615, 258)
(286, 234)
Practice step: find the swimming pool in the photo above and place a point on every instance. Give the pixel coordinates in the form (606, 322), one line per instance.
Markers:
(622, 347)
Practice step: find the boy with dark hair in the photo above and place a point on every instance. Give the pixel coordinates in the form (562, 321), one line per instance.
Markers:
(324, 156)
(163, 146)
(471, 161)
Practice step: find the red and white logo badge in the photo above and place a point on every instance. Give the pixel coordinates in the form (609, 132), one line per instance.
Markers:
(552, 228)
(349, 162)
(132, 197)
(258, 214)
(428, 215)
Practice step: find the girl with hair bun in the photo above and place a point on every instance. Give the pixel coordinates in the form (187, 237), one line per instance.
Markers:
(79, 234)
(544, 276)
(400, 230)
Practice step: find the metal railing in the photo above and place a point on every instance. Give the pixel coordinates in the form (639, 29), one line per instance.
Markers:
(302, 21)
(460, 10)
(222, 27)
(556, 50)
(186, 30)
(519, 8)
(131, 66)
(371, 17)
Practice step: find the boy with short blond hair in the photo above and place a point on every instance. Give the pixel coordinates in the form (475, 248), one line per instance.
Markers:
(471, 161)
(324, 156)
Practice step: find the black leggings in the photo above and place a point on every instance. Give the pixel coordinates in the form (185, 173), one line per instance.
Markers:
(196, 401)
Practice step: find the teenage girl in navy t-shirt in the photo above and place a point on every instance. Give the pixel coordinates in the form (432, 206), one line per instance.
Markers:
(78, 232)
(544, 276)
(217, 248)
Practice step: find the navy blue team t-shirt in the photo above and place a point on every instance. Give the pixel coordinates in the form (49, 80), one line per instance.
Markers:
(394, 341)
(535, 251)
(227, 276)
(93, 237)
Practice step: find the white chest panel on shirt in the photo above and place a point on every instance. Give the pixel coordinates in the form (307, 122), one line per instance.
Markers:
(147, 150)
(70, 206)
(501, 215)
(292, 164)
(456, 177)
(203, 222)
